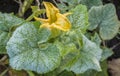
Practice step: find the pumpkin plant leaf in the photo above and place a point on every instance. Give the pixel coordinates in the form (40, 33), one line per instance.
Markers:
(73, 3)
(106, 53)
(91, 3)
(28, 49)
(79, 18)
(104, 19)
(96, 39)
(86, 59)
(8, 23)
(104, 72)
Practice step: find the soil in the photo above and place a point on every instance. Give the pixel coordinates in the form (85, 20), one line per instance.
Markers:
(8, 6)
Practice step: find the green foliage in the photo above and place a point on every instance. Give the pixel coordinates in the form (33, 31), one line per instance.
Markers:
(28, 50)
(95, 73)
(79, 18)
(86, 59)
(74, 3)
(106, 53)
(96, 39)
(91, 3)
(8, 23)
(104, 19)
(31, 48)
(36, 12)
(57, 53)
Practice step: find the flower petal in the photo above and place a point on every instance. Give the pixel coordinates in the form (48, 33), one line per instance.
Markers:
(46, 25)
(51, 11)
(66, 14)
(62, 22)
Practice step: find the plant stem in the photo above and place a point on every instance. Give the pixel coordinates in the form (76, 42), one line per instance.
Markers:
(4, 72)
(3, 58)
(30, 73)
(30, 17)
(104, 44)
(77, 75)
(115, 46)
(35, 14)
(23, 6)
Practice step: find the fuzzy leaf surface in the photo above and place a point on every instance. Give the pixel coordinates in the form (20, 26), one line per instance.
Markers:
(8, 23)
(88, 58)
(73, 3)
(28, 49)
(104, 19)
(91, 3)
(79, 18)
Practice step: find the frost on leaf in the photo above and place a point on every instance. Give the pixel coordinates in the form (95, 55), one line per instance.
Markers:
(79, 18)
(8, 23)
(88, 58)
(28, 50)
(104, 19)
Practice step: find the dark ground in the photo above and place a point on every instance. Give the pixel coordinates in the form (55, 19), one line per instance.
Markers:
(8, 6)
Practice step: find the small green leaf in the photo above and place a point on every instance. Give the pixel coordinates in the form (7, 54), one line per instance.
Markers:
(106, 53)
(88, 58)
(36, 11)
(68, 42)
(104, 19)
(79, 18)
(96, 39)
(65, 48)
(8, 23)
(28, 50)
(34, 8)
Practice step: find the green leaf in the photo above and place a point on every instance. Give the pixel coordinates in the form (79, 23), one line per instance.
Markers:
(70, 5)
(67, 43)
(106, 53)
(8, 23)
(34, 8)
(36, 24)
(104, 72)
(35, 12)
(79, 18)
(88, 58)
(73, 3)
(104, 67)
(65, 48)
(96, 39)
(28, 49)
(91, 3)
(104, 19)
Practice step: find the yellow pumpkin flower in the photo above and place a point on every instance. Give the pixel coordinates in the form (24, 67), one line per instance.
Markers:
(55, 18)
